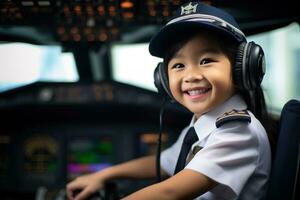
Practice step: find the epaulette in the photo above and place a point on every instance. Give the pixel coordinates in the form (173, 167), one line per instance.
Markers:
(233, 115)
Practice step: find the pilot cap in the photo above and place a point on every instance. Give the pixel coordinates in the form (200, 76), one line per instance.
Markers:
(194, 16)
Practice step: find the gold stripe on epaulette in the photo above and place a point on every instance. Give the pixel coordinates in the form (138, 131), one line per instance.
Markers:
(239, 115)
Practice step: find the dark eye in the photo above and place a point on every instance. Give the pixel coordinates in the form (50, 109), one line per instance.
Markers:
(205, 61)
(177, 66)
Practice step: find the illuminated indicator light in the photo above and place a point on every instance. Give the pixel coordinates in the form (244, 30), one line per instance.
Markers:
(77, 37)
(27, 3)
(166, 12)
(43, 3)
(109, 22)
(77, 9)
(114, 31)
(66, 10)
(101, 10)
(126, 4)
(152, 13)
(89, 10)
(103, 36)
(74, 30)
(90, 22)
(128, 15)
(150, 3)
(112, 9)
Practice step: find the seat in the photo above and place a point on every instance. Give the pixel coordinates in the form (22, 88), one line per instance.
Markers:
(284, 181)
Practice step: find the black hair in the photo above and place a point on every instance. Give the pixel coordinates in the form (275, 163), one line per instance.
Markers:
(254, 99)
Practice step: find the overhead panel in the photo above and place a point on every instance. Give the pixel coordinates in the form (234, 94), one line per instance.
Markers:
(86, 21)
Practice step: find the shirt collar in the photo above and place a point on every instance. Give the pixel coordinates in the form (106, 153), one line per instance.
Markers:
(206, 123)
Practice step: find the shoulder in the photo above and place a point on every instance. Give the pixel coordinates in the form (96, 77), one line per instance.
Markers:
(240, 125)
(233, 115)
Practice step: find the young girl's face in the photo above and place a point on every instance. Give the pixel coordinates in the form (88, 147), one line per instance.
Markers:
(200, 75)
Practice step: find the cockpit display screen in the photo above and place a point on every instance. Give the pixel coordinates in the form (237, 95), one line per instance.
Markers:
(41, 155)
(89, 154)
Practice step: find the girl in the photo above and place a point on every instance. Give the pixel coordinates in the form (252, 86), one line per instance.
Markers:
(224, 153)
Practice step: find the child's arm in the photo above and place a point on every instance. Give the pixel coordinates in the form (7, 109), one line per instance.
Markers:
(187, 184)
(88, 184)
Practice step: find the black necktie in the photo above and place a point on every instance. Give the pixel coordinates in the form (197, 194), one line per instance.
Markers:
(189, 139)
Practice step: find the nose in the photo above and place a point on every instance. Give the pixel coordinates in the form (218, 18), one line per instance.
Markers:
(193, 74)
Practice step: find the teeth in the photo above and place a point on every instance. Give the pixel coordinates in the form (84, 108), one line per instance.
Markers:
(196, 92)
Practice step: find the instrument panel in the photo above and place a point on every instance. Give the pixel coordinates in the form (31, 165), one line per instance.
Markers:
(51, 157)
(81, 21)
(52, 133)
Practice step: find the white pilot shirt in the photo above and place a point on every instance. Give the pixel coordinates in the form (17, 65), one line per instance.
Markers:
(236, 155)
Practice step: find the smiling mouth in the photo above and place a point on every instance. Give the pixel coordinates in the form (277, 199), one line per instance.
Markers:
(197, 92)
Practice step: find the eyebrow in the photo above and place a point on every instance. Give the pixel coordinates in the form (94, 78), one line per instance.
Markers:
(201, 51)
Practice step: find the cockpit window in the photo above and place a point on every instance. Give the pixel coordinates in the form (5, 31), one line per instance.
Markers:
(23, 63)
(133, 64)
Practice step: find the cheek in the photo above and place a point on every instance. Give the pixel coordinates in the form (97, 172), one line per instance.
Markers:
(223, 86)
(221, 80)
(172, 83)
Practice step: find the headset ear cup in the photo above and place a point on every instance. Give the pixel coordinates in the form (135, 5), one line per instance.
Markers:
(158, 80)
(161, 81)
(238, 66)
(256, 62)
(249, 66)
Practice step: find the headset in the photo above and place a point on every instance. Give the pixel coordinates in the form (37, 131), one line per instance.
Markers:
(248, 70)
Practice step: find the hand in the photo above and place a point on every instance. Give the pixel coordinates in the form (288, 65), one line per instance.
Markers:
(86, 185)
